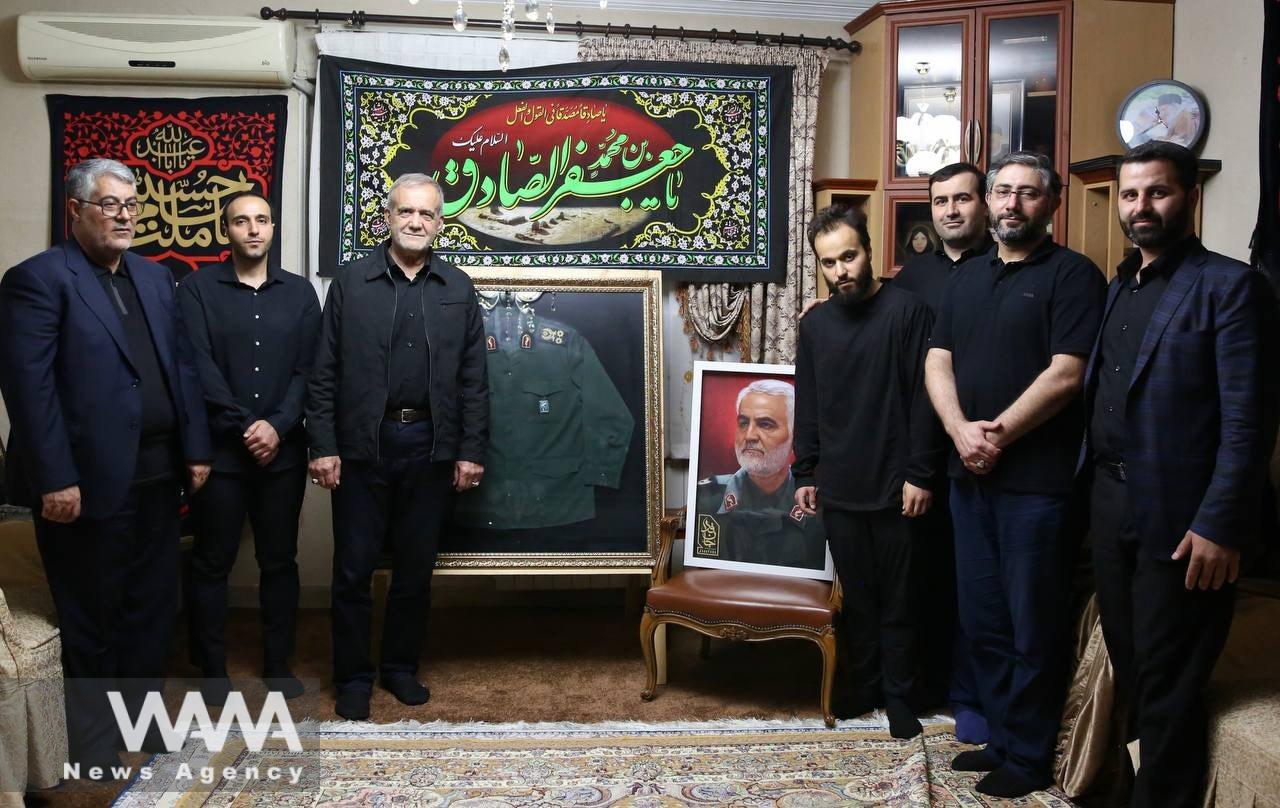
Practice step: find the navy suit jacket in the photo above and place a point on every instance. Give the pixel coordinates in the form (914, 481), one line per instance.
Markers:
(69, 382)
(1199, 420)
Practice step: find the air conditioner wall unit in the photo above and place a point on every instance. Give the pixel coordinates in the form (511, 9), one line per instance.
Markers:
(146, 49)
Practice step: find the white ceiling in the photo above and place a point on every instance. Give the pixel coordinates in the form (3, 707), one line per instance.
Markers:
(840, 11)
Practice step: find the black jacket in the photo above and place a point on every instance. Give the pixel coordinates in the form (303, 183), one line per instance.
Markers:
(347, 394)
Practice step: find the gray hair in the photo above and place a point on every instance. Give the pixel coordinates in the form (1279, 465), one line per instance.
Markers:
(772, 387)
(413, 181)
(1050, 181)
(84, 175)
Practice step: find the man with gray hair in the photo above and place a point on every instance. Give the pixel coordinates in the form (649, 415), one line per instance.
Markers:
(398, 420)
(1005, 371)
(750, 515)
(108, 427)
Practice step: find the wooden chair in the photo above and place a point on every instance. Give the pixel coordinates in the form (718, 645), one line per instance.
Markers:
(738, 606)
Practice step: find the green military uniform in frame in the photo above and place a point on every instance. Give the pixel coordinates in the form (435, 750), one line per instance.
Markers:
(736, 521)
(558, 426)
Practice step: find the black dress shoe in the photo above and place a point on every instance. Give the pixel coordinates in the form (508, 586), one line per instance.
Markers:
(353, 705)
(975, 760)
(407, 689)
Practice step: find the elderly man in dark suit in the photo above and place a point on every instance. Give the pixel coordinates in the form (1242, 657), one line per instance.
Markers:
(1181, 423)
(108, 426)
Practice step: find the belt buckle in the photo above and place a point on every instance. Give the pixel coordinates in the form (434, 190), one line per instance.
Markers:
(401, 416)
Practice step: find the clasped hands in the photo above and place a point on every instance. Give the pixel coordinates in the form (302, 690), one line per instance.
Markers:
(977, 443)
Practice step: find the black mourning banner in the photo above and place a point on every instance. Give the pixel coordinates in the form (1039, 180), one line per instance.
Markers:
(189, 155)
(680, 167)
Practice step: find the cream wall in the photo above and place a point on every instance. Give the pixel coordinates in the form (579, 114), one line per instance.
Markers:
(1217, 49)
(24, 158)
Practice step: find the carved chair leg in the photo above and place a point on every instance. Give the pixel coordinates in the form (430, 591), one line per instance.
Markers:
(648, 625)
(828, 645)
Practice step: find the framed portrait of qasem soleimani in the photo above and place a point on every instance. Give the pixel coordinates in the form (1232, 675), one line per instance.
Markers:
(741, 512)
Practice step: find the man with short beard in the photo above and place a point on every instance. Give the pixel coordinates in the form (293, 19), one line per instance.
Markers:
(1005, 372)
(867, 445)
(253, 327)
(957, 202)
(1181, 425)
(750, 516)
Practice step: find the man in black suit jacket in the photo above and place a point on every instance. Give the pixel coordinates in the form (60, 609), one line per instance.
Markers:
(108, 426)
(1181, 423)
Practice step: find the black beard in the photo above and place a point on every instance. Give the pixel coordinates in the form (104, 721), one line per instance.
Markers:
(855, 294)
(1024, 232)
(1158, 232)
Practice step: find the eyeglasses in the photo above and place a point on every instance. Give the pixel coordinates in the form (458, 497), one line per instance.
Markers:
(111, 206)
(1003, 192)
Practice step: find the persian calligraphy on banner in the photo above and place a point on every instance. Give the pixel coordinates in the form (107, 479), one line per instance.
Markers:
(189, 155)
(681, 167)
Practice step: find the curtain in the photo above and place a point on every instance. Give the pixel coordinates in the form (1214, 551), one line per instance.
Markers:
(760, 320)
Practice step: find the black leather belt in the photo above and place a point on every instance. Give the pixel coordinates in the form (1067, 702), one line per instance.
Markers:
(1115, 468)
(408, 416)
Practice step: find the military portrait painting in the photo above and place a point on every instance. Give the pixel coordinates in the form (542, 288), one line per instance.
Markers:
(742, 512)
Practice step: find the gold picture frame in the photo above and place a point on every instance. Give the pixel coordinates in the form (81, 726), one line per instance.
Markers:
(573, 353)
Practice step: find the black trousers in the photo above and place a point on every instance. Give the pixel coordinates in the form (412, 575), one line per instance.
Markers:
(115, 585)
(1164, 641)
(272, 502)
(400, 502)
(872, 553)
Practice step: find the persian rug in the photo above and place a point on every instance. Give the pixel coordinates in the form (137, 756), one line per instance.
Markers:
(789, 764)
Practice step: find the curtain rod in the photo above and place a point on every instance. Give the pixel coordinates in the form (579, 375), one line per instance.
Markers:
(357, 19)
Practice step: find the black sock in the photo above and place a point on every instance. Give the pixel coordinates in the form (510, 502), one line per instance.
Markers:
(902, 721)
(975, 760)
(1007, 784)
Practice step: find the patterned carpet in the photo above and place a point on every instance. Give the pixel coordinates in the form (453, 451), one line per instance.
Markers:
(789, 764)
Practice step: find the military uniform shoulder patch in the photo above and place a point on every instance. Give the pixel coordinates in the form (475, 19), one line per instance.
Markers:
(730, 502)
(708, 535)
(553, 335)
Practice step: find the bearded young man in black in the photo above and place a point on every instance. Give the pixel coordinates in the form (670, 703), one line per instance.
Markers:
(866, 445)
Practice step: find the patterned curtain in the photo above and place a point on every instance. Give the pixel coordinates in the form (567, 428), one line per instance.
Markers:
(767, 332)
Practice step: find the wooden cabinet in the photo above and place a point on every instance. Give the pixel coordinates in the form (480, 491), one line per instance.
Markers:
(975, 79)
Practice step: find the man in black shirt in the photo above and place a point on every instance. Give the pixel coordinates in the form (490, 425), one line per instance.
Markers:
(398, 419)
(1181, 425)
(253, 329)
(866, 447)
(107, 428)
(958, 203)
(1005, 371)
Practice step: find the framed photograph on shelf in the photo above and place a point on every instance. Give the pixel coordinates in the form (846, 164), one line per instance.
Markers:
(1162, 110)
(1004, 126)
(741, 511)
(573, 475)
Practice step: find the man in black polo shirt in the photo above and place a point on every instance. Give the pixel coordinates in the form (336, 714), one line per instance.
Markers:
(253, 329)
(958, 204)
(866, 447)
(1181, 425)
(1005, 372)
(398, 418)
